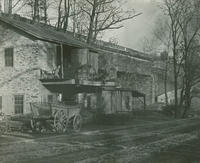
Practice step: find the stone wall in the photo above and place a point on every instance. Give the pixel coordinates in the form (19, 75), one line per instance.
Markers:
(22, 78)
(128, 72)
(124, 63)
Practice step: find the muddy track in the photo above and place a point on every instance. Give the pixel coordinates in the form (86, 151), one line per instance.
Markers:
(107, 143)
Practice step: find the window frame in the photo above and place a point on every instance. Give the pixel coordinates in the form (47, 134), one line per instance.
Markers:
(19, 104)
(9, 57)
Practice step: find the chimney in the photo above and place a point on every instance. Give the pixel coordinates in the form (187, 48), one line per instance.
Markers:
(8, 7)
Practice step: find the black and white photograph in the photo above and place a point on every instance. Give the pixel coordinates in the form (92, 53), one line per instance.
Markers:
(99, 81)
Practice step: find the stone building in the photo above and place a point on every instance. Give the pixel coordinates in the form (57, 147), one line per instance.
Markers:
(40, 64)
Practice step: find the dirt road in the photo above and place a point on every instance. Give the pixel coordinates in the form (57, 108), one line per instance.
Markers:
(142, 141)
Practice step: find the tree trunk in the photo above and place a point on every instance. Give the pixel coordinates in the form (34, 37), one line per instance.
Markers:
(91, 26)
(59, 15)
(66, 16)
(74, 18)
(165, 82)
(187, 100)
(45, 12)
(36, 11)
(182, 95)
(175, 84)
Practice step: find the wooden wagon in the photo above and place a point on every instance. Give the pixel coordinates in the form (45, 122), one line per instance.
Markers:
(59, 116)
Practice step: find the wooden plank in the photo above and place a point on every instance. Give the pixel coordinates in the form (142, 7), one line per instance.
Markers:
(72, 81)
(62, 63)
(121, 101)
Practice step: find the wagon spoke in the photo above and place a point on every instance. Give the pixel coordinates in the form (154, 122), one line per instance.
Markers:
(77, 123)
(60, 121)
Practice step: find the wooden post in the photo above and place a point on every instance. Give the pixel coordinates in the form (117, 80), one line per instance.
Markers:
(111, 101)
(121, 101)
(144, 102)
(61, 62)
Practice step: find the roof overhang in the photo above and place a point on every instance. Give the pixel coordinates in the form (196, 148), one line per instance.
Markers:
(76, 86)
(85, 86)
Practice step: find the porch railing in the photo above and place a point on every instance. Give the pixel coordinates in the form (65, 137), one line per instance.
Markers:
(49, 74)
(84, 72)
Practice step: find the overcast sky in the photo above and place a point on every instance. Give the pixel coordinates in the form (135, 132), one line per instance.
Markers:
(135, 30)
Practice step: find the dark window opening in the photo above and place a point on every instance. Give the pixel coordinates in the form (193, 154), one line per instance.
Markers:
(89, 102)
(156, 99)
(69, 58)
(58, 54)
(58, 70)
(19, 104)
(50, 98)
(9, 57)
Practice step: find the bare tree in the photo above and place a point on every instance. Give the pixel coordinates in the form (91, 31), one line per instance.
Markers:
(38, 9)
(64, 8)
(183, 16)
(160, 43)
(103, 15)
(162, 33)
(171, 9)
(190, 28)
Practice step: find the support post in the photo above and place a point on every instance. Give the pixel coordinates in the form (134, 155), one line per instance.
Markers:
(111, 96)
(144, 102)
(62, 66)
(121, 101)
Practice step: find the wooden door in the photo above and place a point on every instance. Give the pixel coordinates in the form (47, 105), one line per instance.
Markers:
(107, 102)
(115, 101)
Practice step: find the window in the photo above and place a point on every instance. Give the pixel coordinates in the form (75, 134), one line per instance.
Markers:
(19, 104)
(0, 103)
(9, 57)
(50, 98)
(58, 54)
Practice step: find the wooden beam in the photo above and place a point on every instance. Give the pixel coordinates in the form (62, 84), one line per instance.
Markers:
(62, 63)
(121, 101)
(111, 95)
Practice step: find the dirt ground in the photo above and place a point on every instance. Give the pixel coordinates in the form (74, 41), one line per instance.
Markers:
(144, 139)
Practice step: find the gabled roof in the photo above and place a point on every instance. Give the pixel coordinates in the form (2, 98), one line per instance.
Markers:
(50, 34)
(42, 32)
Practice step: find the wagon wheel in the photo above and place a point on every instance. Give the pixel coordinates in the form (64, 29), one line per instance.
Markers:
(77, 122)
(60, 121)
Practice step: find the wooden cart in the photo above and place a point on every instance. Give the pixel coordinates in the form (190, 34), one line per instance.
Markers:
(61, 117)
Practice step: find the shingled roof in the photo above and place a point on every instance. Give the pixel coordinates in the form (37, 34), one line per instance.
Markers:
(50, 34)
(41, 31)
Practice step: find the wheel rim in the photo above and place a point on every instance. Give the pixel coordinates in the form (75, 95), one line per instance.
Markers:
(60, 122)
(77, 123)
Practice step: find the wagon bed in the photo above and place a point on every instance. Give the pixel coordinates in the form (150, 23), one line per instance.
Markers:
(62, 117)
